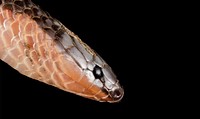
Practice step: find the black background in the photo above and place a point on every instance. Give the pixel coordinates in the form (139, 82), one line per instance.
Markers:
(131, 37)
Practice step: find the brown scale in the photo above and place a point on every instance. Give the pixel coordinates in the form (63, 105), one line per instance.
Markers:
(44, 20)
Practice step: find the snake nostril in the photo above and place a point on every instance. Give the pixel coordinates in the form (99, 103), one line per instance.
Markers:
(117, 94)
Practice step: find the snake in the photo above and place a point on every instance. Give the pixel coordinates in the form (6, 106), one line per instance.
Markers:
(42, 48)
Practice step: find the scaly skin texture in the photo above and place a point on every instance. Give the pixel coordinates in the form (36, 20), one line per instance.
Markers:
(41, 48)
(32, 52)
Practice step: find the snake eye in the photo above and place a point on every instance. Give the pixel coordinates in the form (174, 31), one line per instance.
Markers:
(98, 74)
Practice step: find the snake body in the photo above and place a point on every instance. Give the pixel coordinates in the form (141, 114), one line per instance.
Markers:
(40, 47)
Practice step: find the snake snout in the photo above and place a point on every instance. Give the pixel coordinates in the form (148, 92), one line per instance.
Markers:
(117, 94)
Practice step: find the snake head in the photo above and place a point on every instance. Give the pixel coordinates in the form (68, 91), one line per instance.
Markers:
(92, 72)
(103, 81)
